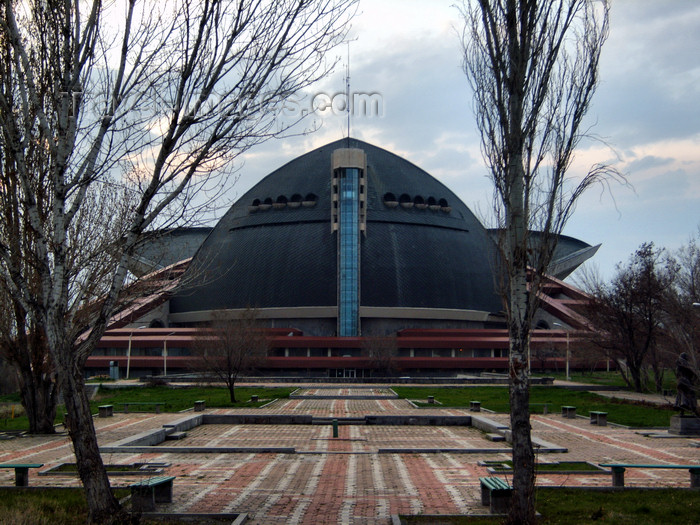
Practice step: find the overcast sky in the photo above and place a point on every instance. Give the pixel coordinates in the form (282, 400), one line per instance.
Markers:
(647, 109)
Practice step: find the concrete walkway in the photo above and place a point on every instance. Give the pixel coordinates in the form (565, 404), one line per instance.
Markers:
(653, 399)
(347, 479)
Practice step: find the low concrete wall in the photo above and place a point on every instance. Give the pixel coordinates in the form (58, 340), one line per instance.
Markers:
(488, 425)
(185, 424)
(494, 379)
(144, 439)
(433, 420)
(256, 419)
(540, 445)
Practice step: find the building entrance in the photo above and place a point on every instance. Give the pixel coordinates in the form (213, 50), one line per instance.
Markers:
(348, 373)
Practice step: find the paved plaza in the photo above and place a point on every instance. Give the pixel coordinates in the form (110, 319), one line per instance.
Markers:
(350, 478)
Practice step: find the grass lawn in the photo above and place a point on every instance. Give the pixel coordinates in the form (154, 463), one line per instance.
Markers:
(491, 397)
(496, 398)
(557, 506)
(60, 507)
(174, 399)
(576, 506)
(177, 399)
(45, 507)
(610, 378)
(559, 466)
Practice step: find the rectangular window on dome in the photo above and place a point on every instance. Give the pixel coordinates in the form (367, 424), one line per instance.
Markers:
(348, 253)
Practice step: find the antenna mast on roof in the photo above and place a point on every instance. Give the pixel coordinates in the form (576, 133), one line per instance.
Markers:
(347, 92)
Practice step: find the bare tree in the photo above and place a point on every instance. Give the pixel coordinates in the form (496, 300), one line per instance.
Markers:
(533, 68)
(688, 258)
(231, 347)
(630, 315)
(155, 99)
(382, 350)
(22, 341)
(682, 326)
(23, 347)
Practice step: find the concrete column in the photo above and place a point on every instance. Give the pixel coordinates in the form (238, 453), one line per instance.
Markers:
(21, 477)
(618, 476)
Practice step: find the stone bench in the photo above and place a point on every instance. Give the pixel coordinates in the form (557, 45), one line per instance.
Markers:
(145, 494)
(21, 472)
(599, 418)
(475, 406)
(495, 493)
(618, 472)
(106, 410)
(568, 412)
(199, 405)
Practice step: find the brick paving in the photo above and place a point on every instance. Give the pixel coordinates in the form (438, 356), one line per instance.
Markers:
(319, 438)
(344, 479)
(344, 392)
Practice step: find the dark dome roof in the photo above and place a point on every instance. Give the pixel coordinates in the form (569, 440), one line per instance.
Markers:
(423, 247)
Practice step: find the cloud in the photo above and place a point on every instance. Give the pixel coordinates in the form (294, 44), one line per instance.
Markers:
(648, 162)
(650, 77)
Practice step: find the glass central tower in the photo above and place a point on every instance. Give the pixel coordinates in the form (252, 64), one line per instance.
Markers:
(348, 220)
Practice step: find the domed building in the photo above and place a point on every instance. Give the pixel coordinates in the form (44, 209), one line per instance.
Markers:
(348, 239)
(345, 243)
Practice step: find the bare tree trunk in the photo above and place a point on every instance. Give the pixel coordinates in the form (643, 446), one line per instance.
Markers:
(103, 506)
(624, 372)
(638, 383)
(231, 391)
(636, 374)
(38, 396)
(522, 509)
(25, 349)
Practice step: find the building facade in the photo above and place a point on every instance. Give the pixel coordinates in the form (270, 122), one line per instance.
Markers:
(345, 247)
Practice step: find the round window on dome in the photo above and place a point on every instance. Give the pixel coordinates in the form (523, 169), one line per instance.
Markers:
(266, 204)
(295, 201)
(254, 206)
(390, 200)
(309, 200)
